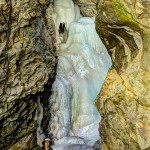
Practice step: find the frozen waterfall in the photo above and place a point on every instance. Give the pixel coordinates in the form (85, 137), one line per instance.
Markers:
(83, 63)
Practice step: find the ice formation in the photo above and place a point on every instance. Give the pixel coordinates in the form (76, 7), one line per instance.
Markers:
(83, 63)
(39, 117)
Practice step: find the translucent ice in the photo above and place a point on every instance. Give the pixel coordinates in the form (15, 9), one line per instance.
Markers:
(83, 63)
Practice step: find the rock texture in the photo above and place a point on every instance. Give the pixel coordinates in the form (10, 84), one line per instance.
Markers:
(88, 8)
(124, 101)
(27, 67)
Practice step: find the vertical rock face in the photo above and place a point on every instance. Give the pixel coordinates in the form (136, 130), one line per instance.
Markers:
(87, 7)
(124, 101)
(27, 64)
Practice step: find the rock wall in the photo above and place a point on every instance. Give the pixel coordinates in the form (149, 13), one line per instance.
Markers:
(88, 8)
(124, 101)
(27, 68)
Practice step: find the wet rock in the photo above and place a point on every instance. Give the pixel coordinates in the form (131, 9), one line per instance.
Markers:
(123, 101)
(87, 7)
(27, 66)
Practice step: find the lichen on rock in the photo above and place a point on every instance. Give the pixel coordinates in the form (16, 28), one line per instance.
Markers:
(123, 101)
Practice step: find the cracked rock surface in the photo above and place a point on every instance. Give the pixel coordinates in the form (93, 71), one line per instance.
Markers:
(88, 8)
(27, 66)
(124, 101)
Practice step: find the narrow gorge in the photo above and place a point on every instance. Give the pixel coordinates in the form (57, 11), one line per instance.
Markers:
(69, 68)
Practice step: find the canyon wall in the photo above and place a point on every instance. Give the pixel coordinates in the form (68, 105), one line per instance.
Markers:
(88, 8)
(27, 69)
(124, 101)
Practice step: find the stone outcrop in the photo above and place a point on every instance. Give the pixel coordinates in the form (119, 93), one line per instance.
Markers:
(27, 68)
(88, 8)
(124, 101)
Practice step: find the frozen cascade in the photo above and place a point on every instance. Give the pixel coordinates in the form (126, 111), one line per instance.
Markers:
(83, 63)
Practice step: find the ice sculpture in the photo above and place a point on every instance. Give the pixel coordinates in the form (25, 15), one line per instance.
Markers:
(83, 63)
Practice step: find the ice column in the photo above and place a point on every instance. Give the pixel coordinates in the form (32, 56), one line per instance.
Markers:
(83, 63)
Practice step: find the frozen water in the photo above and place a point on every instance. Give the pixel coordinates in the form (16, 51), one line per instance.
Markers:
(66, 11)
(83, 63)
(90, 133)
(68, 142)
(85, 138)
(39, 117)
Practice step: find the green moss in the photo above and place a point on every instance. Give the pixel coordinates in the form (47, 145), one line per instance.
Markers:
(51, 8)
(147, 35)
(14, 147)
(121, 12)
(125, 17)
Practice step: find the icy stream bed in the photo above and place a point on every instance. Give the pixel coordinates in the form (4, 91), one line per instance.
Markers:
(85, 139)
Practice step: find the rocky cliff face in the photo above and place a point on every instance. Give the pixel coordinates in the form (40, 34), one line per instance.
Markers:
(27, 67)
(88, 8)
(27, 70)
(124, 101)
